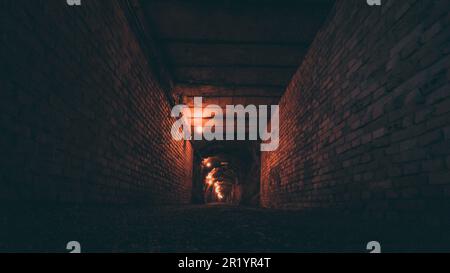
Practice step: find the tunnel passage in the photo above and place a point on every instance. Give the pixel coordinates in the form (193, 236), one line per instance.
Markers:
(86, 106)
(221, 183)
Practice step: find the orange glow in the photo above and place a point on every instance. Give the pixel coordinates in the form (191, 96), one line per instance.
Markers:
(210, 181)
(199, 129)
(218, 189)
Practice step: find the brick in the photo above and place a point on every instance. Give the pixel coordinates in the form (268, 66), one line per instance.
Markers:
(422, 115)
(447, 132)
(443, 107)
(430, 138)
(391, 194)
(366, 138)
(438, 95)
(410, 193)
(447, 191)
(439, 178)
(433, 165)
(411, 168)
(379, 133)
(407, 144)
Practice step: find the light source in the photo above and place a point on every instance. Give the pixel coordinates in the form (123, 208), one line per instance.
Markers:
(199, 129)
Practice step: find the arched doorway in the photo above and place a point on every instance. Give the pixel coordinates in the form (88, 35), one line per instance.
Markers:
(227, 172)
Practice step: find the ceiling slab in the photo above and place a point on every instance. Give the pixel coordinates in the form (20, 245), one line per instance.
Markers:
(234, 75)
(239, 21)
(192, 90)
(190, 54)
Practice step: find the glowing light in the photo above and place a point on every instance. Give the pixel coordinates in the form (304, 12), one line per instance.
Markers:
(199, 129)
(208, 164)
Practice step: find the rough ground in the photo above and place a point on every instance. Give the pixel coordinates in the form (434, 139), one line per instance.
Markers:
(211, 228)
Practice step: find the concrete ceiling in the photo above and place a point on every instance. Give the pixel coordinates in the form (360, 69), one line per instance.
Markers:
(230, 52)
(233, 51)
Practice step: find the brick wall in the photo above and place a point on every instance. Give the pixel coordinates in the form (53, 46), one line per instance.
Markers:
(83, 118)
(365, 122)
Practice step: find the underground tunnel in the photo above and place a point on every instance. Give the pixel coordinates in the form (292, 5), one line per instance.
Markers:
(88, 152)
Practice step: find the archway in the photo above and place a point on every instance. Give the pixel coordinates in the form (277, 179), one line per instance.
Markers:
(227, 172)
